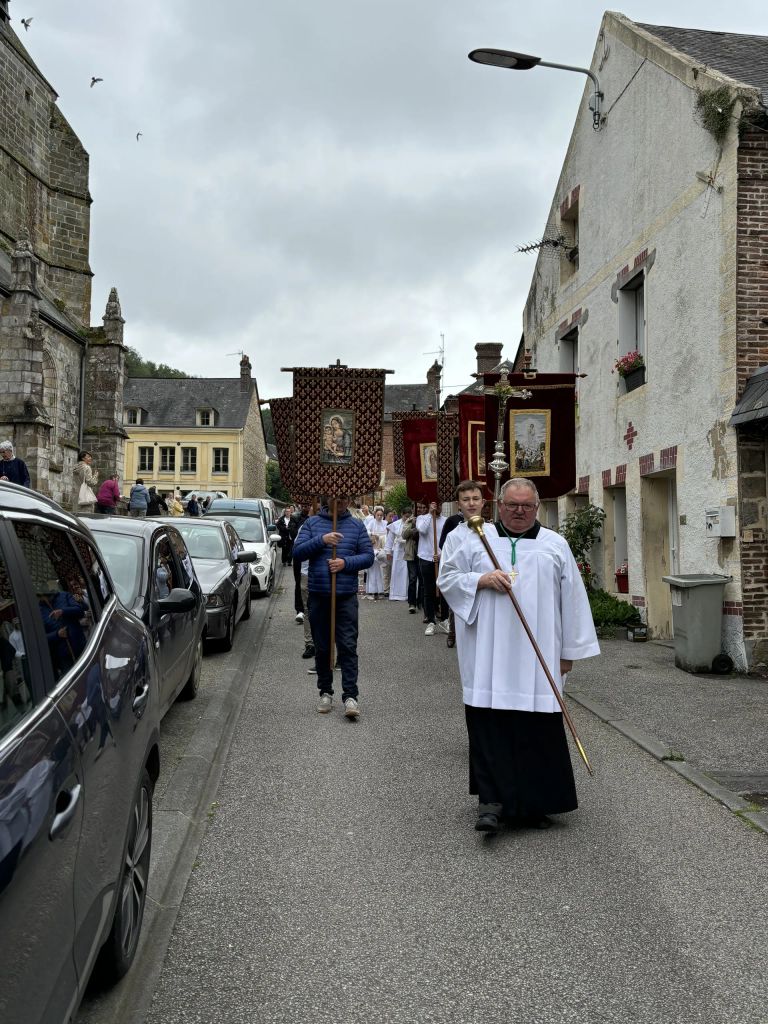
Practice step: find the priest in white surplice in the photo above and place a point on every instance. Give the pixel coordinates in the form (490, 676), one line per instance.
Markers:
(520, 767)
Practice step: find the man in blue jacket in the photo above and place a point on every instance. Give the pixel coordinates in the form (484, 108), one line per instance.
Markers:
(353, 553)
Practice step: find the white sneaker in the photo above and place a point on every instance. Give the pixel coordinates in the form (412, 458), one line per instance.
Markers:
(351, 708)
(299, 617)
(430, 630)
(443, 626)
(325, 704)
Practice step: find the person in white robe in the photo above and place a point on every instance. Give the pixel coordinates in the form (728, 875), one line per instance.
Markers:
(377, 531)
(395, 549)
(520, 767)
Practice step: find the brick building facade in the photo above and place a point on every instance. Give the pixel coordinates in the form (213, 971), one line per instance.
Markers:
(61, 381)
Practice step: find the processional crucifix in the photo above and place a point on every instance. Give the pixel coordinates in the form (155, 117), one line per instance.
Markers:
(503, 391)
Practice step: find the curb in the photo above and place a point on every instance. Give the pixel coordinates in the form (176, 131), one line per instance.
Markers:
(663, 752)
(180, 821)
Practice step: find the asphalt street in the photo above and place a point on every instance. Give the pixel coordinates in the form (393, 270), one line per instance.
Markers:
(339, 878)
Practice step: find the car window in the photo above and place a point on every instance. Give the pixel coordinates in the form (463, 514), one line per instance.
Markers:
(15, 683)
(100, 585)
(234, 541)
(123, 555)
(249, 528)
(164, 571)
(183, 559)
(203, 541)
(63, 595)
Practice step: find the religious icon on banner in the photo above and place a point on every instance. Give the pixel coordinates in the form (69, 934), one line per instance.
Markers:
(428, 462)
(337, 442)
(529, 431)
(480, 457)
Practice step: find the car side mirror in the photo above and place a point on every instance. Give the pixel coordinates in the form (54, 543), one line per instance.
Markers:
(179, 600)
(273, 529)
(247, 556)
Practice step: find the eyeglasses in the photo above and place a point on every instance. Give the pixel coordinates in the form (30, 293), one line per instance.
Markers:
(522, 505)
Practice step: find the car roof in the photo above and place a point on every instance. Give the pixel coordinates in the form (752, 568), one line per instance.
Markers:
(15, 498)
(192, 520)
(125, 524)
(252, 505)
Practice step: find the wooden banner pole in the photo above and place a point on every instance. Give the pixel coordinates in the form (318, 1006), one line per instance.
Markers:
(331, 653)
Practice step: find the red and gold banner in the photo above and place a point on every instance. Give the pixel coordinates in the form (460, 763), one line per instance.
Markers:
(539, 431)
(398, 449)
(337, 435)
(282, 421)
(447, 455)
(420, 454)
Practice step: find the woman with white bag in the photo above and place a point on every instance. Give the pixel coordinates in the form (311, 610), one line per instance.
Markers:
(85, 478)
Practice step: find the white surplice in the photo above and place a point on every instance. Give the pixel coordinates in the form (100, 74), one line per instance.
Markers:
(498, 665)
(395, 545)
(374, 581)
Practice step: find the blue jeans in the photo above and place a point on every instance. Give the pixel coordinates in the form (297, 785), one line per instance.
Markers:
(346, 641)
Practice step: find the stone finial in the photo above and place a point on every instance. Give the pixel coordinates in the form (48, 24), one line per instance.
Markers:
(24, 266)
(113, 319)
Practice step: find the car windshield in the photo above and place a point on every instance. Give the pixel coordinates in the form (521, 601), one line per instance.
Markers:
(250, 528)
(201, 541)
(123, 556)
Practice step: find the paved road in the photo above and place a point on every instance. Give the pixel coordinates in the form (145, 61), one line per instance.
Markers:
(340, 879)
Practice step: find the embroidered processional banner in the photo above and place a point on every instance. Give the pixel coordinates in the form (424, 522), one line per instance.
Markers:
(282, 421)
(337, 429)
(472, 438)
(399, 416)
(447, 455)
(539, 430)
(420, 454)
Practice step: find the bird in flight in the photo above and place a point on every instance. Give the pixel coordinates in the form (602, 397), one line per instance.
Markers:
(138, 135)
(26, 22)
(95, 80)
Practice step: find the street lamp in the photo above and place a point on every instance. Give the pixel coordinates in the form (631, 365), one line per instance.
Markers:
(524, 62)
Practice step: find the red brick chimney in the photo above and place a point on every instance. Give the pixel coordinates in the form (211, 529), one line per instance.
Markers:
(488, 355)
(245, 373)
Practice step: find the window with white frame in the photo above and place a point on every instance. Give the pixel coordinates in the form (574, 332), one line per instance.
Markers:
(632, 316)
(221, 460)
(189, 460)
(205, 417)
(167, 460)
(132, 417)
(146, 460)
(569, 352)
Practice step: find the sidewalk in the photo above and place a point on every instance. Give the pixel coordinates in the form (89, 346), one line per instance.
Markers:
(711, 729)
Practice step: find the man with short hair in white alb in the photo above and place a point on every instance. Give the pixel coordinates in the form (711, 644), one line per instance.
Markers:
(520, 767)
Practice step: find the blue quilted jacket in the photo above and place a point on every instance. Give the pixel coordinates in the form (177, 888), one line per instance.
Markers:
(356, 550)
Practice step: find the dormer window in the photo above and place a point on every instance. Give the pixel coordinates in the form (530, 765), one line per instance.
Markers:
(133, 417)
(205, 417)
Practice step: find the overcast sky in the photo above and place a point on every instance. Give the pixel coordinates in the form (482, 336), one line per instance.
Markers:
(322, 179)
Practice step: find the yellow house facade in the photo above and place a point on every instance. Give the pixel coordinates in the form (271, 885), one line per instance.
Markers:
(196, 434)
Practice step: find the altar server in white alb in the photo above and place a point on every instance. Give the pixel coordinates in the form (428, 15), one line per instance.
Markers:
(520, 767)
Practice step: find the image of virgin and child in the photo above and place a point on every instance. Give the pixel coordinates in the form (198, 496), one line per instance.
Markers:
(337, 437)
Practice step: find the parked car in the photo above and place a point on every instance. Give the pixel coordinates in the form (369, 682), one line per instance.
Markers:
(155, 579)
(201, 496)
(79, 758)
(222, 567)
(264, 507)
(252, 532)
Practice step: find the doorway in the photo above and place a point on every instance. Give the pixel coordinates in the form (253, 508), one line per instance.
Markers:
(658, 501)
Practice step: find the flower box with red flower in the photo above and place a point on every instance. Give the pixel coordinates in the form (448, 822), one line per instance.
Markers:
(622, 579)
(631, 368)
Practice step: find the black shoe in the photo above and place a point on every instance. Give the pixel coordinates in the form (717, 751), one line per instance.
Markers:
(309, 652)
(488, 822)
(540, 821)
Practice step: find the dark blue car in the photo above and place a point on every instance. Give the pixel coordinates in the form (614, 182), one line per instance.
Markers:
(79, 713)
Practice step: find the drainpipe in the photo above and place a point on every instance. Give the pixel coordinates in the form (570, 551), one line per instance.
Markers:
(83, 358)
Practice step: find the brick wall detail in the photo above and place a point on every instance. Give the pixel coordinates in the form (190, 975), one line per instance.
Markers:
(646, 464)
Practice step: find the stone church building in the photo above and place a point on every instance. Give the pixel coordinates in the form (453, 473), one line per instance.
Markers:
(61, 380)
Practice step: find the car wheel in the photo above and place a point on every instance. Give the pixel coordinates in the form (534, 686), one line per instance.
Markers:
(229, 637)
(118, 951)
(192, 685)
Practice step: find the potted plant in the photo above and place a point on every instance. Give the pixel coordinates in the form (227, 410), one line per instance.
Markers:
(631, 368)
(622, 579)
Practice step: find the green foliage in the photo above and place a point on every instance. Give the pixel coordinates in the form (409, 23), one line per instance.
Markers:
(275, 486)
(715, 109)
(397, 498)
(136, 366)
(580, 529)
(608, 610)
(269, 430)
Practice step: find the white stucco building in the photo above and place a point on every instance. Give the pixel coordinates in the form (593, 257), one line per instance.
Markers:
(658, 231)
